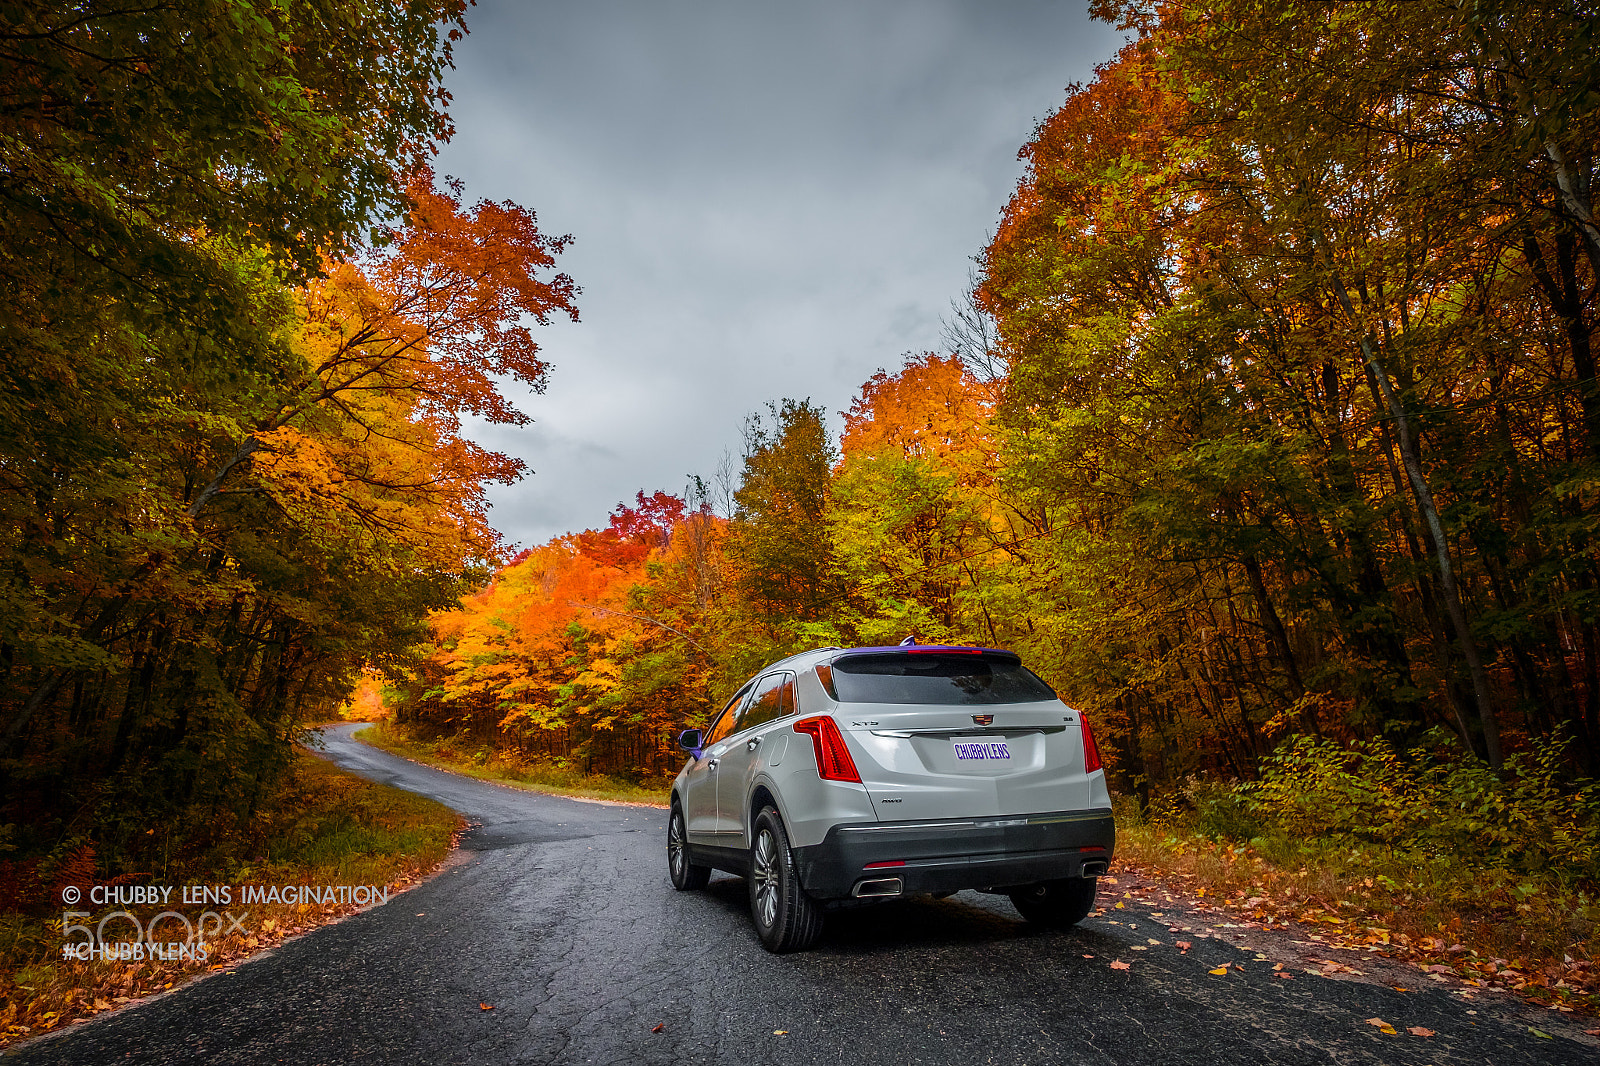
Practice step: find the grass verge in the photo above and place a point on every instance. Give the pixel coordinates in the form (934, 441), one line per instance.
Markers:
(326, 828)
(453, 754)
(1491, 929)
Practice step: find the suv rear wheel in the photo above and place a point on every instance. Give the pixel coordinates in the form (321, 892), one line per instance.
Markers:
(1056, 904)
(786, 918)
(685, 874)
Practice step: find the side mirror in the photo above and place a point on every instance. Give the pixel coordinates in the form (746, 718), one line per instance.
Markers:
(689, 740)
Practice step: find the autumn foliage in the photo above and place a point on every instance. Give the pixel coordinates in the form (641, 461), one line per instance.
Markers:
(1272, 440)
(239, 351)
(1285, 427)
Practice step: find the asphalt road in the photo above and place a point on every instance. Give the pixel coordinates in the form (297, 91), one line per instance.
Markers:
(561, 917)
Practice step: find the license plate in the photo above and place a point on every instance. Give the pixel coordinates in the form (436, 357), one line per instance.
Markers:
(973, 751)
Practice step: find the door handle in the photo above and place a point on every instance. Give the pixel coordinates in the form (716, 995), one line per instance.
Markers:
(754, 743)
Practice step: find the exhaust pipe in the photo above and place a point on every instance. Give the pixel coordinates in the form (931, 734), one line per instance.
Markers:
(1094, 868)
(878, 888)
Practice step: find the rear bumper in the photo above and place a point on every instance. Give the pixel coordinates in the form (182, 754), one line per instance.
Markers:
(949, 855)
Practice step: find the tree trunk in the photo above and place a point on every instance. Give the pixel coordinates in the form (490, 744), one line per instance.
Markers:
(1411, 458)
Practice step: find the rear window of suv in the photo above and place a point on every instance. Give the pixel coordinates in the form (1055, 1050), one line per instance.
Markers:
(951, 679)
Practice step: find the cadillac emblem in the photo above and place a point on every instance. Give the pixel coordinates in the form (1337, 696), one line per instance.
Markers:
(982, 719)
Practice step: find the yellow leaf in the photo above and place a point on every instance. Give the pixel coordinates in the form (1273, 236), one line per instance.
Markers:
(1221, 971)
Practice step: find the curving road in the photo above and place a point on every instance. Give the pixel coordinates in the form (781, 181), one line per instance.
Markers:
(561, 917)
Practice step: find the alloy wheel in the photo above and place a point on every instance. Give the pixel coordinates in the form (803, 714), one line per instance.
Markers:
(766, 876)
(675, 851)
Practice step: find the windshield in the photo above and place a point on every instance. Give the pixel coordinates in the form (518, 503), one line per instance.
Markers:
(948, 679)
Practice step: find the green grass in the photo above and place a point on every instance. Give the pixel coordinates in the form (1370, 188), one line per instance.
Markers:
(450, 753)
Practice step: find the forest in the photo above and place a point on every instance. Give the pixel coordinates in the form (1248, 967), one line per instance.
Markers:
(1268, 433)
(241, 328)
(1268, 436)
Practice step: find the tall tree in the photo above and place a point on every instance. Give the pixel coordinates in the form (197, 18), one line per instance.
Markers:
(779, 538)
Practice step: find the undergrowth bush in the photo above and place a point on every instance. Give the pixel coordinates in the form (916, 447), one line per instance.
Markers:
(1432, 798)
(466, 754)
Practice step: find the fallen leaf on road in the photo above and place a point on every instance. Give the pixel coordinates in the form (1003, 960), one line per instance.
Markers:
(1088, 956)
(1382, 1025)
(1417, 1030)
(1184, 945)
(1149, 940)
(1119, 906)
(1120, 965)
(1539, 1033)
(485, 1006)
(1285, 976)
(780, 1032)
(656, 1028)
(1221, 971)
(1138, 947)
(1397, 988)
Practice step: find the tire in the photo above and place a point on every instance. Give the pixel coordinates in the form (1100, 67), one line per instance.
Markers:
(685, 874)
(1056, 904)
(786, 918)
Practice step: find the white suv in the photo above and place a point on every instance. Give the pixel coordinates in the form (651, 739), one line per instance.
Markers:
(873, 773)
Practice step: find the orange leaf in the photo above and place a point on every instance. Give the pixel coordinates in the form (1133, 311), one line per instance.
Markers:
(1120, 965)
(485, 1006)
(656, 1028)
(1417, 1030)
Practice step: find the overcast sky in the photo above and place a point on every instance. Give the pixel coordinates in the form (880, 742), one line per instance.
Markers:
(767, 200)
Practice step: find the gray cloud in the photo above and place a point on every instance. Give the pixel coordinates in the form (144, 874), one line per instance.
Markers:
(768, 200)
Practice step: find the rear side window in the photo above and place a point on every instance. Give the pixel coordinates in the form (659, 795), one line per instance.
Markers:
(955, 679)
(774, 699)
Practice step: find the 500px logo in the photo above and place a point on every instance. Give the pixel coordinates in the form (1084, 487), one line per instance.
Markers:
(145, 945)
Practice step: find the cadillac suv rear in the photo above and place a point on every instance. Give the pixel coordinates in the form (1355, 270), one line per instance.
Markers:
(875, 773)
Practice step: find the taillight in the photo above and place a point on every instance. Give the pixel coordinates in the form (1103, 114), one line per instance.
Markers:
(1091, 751)
(833, 758)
